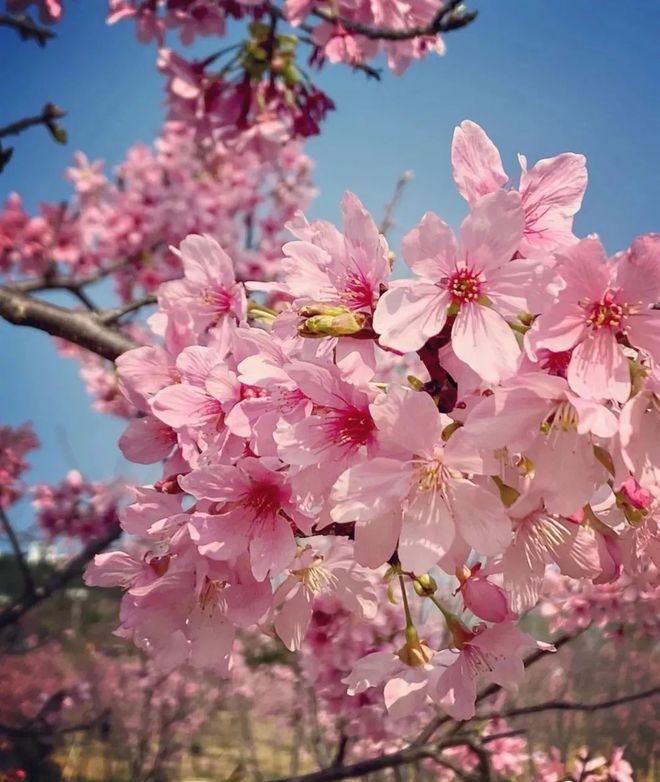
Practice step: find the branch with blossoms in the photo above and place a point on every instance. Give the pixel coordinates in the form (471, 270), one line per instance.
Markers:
(450, 16)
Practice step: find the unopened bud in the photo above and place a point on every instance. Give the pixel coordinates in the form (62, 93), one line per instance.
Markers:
(415, 653)
(344, 324)
(424, 585)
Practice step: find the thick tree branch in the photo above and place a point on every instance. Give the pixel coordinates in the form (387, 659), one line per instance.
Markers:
(447, 18)
(560, 705)
(27, 28)
(82, 328)
(28, 583)
(73, 568)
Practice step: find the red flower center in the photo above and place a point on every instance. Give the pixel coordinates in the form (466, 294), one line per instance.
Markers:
(464, 285)
(605, 313)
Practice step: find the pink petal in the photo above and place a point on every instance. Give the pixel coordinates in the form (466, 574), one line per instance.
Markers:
(292, 620)
(430, 248)
(491, 233)
(406, 316)
(481, 519)
(376, 540)
(368, 490)
(476, 162)
(147, 440)
(552, 193)
(427, 532)
(598, 368)
(486, 343)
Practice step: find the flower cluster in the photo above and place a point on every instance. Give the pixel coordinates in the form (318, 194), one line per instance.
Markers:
(158, 197)
(15, 443)
(76, 508)
(293, 465)
(552, 767)
(256, 92)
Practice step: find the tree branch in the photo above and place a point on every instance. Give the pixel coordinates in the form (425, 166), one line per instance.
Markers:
(447, 18)
(73, 568)
(107, 317)
(392, 760)
(82, 328)
(27, 28)
(560, 705)
(48, 117)
(28, 583)
(51, 281)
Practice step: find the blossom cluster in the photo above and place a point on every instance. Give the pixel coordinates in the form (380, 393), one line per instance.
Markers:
(293, 466)
(257, 91)
(15, 444)
(76, 508)
(123, 228)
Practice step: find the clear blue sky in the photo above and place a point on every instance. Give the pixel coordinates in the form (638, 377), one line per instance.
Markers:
(542, 76)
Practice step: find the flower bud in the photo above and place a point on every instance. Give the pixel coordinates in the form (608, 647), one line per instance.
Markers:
(340, 323)
(424, 585)
(415, 653)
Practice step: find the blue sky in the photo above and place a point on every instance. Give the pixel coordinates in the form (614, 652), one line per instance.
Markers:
(541, 77)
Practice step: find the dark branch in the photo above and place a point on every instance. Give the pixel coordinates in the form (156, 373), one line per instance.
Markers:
(52, 282)
(48, 117)
(28, 583)
(82, 328)
(27, 28)
(403, 757)
(73, 568)
(447, 18)
(107, 317)
(570, 706)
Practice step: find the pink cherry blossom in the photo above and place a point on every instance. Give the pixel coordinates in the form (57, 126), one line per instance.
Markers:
(550, 192)
(256, 512)
(493, 655)
(602, 302)
(476, 281)
(426, 482)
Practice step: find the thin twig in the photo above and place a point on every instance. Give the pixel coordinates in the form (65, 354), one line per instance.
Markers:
(108, 317)
(48, 116)
(49, 282)
(28, 583)
(559, 705)
(387, 223)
